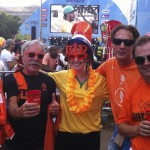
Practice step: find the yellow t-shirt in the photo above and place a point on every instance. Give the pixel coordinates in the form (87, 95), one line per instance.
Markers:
(85, 122)
(66, 26)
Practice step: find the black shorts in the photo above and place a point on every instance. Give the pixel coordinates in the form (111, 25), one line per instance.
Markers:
(77, 141)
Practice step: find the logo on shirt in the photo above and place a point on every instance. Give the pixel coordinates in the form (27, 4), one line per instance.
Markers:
(119, 96)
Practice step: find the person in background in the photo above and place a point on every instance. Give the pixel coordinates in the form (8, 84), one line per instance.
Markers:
(2, 44)
(28, 118)
(17, 50)
(62, 64)
(134, 117)
(7, 57)
(69, 17)
(82, 94)
(50, 58)
(120, 72)
(6, 131)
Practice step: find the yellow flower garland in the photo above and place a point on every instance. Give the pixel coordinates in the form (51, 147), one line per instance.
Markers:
(86, 105)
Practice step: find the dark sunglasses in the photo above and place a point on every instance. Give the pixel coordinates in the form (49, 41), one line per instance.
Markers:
(140, 60)
(79, 56)
(32, 55)
(126, 42)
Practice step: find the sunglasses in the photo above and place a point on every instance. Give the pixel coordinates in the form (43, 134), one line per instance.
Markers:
(126, 42)
(32, 55)
(79, 56)
(140, 60)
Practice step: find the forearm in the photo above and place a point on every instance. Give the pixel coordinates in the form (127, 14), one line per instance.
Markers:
(15, 112)
(128, 130)
(11, 64)
(13, 109)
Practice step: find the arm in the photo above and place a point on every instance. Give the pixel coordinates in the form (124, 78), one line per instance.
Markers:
(128, 130)
(45, 59)
(142, 129)
(46, 68)
(11, 64)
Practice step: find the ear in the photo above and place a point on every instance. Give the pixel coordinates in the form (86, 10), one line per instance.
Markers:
(23, 59)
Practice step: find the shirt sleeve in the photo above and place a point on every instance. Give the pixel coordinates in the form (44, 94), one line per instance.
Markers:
(10, 86)
(102, 69)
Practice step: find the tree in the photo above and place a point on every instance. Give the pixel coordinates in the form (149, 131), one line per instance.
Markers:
(9, 25)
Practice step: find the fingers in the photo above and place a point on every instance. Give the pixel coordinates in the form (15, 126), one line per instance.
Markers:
(55, 106)
(144, 128)
(30, 109)
(42, 71)
(54, 98)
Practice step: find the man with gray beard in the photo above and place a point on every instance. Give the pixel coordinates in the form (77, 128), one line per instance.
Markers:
(28, 117)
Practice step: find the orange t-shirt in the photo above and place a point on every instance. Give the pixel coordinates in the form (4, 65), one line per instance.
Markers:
(118, 80)
(133, 110)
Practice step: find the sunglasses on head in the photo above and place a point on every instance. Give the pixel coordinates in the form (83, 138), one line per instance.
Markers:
(126, 42)
(32, 55)
(140, 60)
(79, 56)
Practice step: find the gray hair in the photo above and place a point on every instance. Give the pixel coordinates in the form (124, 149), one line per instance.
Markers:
(27, 44)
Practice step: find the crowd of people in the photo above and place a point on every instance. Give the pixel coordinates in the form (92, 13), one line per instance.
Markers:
(72, 118)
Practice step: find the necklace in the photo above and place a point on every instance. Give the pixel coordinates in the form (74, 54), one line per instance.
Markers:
(88, 98)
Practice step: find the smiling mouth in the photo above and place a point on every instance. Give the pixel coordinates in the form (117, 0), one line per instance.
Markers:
(122, 53)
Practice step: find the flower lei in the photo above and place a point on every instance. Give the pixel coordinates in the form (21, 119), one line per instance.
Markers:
(86, 105)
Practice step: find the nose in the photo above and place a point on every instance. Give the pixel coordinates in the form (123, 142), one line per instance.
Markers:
(36, 57)
(75, 59)
(122, 45)
(147, 62)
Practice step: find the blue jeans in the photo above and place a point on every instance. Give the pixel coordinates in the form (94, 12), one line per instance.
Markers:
(114, 146)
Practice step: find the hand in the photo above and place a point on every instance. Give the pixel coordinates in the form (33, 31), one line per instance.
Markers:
(55, 106)
(19, 67)
(29, 109)
(17, 57)
(144, 128)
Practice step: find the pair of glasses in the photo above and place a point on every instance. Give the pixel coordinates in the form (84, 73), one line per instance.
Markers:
(140, 60)
(32, 55)
(79, 56)
(126, 42)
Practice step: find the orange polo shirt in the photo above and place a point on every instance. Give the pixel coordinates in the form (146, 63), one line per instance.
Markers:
(118, 80)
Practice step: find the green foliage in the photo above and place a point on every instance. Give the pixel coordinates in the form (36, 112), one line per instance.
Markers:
(9, 25)
(23, 37)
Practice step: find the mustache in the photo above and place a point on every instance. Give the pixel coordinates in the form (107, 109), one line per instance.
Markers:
(35, 63)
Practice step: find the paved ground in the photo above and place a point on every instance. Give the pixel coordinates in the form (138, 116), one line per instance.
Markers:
(107, 131)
